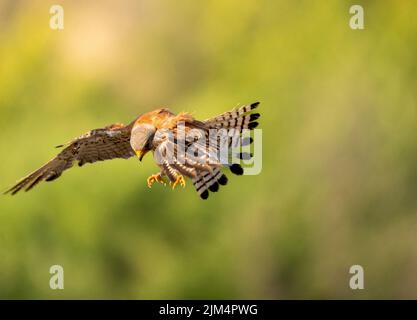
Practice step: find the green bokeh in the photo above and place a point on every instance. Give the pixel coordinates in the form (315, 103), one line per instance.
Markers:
(338, 185)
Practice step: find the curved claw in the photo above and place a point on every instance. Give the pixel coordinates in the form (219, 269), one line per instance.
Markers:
(155, 178)
(180, 180)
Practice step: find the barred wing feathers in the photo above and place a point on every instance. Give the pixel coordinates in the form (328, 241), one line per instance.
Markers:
(234, 121)
(96, 145)
(207, 176)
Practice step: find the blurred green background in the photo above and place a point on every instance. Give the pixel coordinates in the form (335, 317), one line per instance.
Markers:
(339, 179)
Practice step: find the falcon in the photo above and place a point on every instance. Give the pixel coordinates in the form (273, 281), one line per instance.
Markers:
(182, 147)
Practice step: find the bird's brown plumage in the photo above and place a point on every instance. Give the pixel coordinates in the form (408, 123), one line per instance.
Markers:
(96, 145)
(115, 141)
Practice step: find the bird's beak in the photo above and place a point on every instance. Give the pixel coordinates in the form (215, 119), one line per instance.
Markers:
(140, 154)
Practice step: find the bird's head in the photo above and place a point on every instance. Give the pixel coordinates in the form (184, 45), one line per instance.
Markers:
(141, 138)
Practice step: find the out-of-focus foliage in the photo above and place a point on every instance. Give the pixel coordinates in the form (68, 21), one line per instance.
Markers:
(338, 185)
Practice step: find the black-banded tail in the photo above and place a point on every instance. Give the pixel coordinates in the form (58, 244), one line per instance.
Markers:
(207, 181)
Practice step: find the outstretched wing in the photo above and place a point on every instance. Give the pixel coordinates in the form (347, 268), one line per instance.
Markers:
(230, 126)
(201, 159)
(237, 119)
(106, 143)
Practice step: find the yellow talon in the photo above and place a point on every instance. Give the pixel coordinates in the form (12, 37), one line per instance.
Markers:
(180, 180)
(155, 178)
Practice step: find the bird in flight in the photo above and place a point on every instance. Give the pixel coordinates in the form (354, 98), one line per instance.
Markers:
(181, 145)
